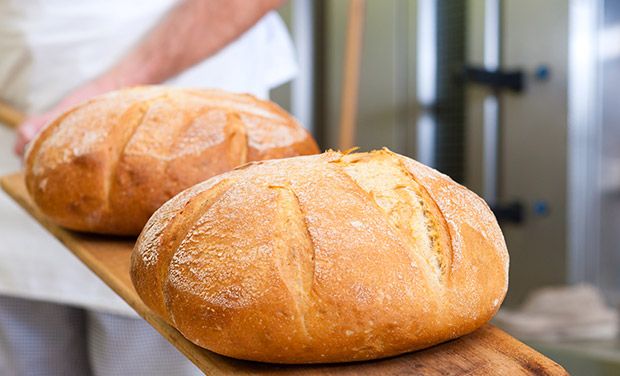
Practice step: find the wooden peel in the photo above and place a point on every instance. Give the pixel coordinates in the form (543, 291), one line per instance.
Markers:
(9, 116)
(351, 71)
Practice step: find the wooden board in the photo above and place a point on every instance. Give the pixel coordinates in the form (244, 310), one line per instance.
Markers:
(9, 116)
(487, 351)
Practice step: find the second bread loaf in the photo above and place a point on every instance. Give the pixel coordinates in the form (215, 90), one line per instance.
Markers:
(323, 258)
(106, 165)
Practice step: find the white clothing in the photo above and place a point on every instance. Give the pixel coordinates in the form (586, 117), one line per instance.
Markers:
(34, 264)
(49, 47)
(47, 339)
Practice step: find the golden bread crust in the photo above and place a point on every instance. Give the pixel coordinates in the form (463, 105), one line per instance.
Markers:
(324, 258)
(106, 165)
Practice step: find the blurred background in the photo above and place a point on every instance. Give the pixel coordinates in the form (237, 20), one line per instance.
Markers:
(519, 100)
(516, 99)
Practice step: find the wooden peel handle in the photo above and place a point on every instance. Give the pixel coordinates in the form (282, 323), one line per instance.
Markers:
(10, 116)
(351, 72)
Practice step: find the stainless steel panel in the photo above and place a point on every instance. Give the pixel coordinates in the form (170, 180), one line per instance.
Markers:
(584, 204)
(474, 98)
(534, 138)
(532, 144)
(302, 87)
(426, 76)
(609, 54)
(490, 104)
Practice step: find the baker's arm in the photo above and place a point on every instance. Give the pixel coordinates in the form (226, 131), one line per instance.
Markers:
(191, 32)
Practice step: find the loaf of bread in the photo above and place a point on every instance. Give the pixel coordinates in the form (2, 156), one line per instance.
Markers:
(106, 165)
(324, 258)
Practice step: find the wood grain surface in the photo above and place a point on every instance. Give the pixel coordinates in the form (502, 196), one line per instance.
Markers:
(9, 116)
(351, 73)
(487, 351)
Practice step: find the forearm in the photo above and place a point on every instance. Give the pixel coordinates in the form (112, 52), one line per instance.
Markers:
(190, 33)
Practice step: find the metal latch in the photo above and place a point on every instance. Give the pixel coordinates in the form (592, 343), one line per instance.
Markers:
(509, 213)
(497, 79)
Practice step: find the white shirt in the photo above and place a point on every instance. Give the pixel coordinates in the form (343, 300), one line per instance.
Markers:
(48, 48)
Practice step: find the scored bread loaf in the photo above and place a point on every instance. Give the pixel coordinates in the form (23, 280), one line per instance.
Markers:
(106, 165)
(324, 258)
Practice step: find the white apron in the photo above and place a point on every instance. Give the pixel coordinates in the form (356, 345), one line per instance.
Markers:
(49, 47)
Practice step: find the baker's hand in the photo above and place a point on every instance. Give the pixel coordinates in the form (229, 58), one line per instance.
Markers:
(29, 128)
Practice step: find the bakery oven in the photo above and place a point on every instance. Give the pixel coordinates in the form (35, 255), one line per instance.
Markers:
(514, 98)
(546, 150)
